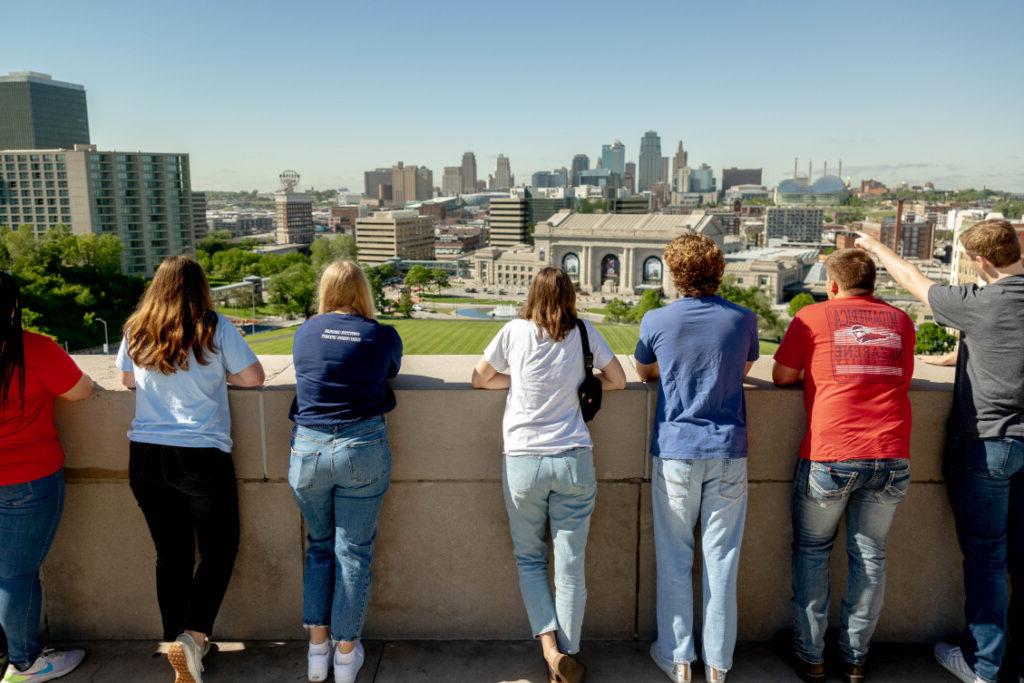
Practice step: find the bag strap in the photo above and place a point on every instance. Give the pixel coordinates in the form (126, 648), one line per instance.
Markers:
(588, 356)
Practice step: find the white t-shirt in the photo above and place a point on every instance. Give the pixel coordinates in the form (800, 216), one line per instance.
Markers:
(542, 412)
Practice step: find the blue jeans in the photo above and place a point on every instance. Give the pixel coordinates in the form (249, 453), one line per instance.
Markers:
(339, 477)
(869, 492)
(986, 488)
(714, 492)
(559, 489)
(29, 516)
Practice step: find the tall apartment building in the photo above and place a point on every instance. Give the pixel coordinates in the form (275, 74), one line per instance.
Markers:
(411, 184)
(509, 220)
(37, 112)
(794, 224)
(916, 240)
(468, 173)
(649, 166)
(580, 162)
(503, 178)
(732, 177)
(373, 180)
(200, 226)
(629, 178)
(679, 160)
(663, 176)
(451, 181)
(404, 234)
(143, 198)
(294, 217)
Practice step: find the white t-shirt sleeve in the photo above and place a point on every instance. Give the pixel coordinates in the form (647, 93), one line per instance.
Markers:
(124, 361)
(496, 352)
(599, 347)
(237, 354)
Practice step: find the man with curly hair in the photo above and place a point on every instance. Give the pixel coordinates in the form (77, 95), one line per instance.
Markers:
(701, 347)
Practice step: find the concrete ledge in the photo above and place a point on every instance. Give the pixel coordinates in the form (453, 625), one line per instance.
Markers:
(444, 566)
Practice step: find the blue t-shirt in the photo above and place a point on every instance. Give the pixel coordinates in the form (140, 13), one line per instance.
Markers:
(189, 408)
(701, 346)
(342, 364)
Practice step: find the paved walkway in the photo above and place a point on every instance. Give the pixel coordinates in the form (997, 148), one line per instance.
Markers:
(464, 661)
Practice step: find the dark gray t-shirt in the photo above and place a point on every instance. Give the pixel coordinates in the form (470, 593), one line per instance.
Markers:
(988, 396)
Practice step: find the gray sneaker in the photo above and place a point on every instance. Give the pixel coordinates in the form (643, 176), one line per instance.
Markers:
(676, 672)
(186, 657)
(952, 660)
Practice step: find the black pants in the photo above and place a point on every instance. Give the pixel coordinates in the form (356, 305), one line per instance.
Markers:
(188, 494)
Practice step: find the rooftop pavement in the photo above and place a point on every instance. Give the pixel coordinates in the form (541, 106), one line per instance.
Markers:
(464, 661)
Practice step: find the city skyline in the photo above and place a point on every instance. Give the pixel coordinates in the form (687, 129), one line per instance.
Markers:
(247, 96)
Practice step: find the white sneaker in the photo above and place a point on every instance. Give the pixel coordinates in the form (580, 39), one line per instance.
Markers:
(49, 665)
(952, 660)
(346, 667)
(677, 673)
(186, 657)
(713, 675)
(319, 661)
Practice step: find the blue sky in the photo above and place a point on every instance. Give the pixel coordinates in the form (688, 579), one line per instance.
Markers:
(929, 90)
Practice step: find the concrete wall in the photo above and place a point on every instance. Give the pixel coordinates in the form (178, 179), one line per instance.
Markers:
(444, 565)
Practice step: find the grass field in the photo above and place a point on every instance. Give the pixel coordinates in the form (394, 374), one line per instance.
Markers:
(439, 337)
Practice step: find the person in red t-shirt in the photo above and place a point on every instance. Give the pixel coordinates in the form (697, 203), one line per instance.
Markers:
(855, 356)
(33, 370)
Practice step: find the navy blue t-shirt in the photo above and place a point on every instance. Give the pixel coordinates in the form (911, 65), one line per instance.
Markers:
(701, 346)
(342, 364)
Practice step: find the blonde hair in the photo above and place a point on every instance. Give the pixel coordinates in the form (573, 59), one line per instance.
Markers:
(551, 303)
(174, 317)
(344, 286)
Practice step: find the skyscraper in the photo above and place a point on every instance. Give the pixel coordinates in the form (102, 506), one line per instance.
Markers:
(508, 220)
(451, 181)
(679, 160)
(613, 157)
(468, 173)
(200, 226)
(410, 184)
(629, 178)
(580, 162)
(503, 178)
(374, 179)
(37, 112)
(663, 175)
(740, 176)
(649, 168)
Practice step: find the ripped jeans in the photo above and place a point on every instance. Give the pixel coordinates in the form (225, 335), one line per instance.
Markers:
(869, 492)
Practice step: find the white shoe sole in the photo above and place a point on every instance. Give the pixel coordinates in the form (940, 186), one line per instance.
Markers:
(179, 662)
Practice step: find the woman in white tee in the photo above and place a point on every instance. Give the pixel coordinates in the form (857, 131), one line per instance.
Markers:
(548, 472)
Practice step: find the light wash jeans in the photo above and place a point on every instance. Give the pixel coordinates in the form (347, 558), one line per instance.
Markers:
(29, 516)
(557, 489)
(869, 492)
(339, 477)
(713, 491)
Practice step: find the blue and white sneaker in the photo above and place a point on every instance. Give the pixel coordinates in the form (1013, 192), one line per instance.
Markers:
(49, 665)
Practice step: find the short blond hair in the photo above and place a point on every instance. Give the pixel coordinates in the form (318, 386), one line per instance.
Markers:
(993, 239)
(344, 286)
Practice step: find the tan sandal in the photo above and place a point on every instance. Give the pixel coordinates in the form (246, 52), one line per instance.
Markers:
(566, 669)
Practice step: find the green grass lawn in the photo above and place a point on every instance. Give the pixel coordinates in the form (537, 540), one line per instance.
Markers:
(440, 337)
(446, 299)
(263, 311)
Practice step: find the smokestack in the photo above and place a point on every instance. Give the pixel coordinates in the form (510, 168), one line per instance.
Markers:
(810, 165)
(824, 169)
(795, 161)
(899, 228)
(840, 169)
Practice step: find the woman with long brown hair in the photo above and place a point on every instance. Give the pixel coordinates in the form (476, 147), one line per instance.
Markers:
(340, 465)
(179, 355)
(34, 371)
(548, 471)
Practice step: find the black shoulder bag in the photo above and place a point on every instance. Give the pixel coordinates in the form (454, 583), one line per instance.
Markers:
(590, 389)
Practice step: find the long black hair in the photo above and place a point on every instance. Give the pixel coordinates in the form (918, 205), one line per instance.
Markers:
(12, 349)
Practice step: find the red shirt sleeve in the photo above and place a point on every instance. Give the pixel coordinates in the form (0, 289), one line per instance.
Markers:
(54, 367)
(795, 343)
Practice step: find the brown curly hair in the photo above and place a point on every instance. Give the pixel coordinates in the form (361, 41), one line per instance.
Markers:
(696, 264)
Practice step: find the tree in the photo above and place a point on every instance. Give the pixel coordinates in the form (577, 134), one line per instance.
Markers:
(439, 279)
(768, 323)
(405, 304)
(418, 276)
(617, 311)
(326, 250)
(933, 339)
(799, 301)
(294, 289)
(649, 300)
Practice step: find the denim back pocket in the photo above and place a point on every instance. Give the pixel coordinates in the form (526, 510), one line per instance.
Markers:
(16, 495)
(521, 472)
(369, 457)
(302, 465)
(581, 469)
(672, 477)
(985, 457)
(733, 484)
(828, 484)
(896, 485)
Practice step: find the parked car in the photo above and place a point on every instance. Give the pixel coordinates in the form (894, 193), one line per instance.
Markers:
(470, 290)
(417, 307)
(502, 292)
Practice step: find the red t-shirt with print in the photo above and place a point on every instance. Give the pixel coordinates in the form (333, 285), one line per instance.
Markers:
(857, 354)
(29, 448)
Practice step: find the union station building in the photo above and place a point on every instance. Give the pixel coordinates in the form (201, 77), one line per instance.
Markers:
(603, 253)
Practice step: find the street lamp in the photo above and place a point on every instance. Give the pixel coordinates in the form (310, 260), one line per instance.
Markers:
(106, 337)
(253, 280)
